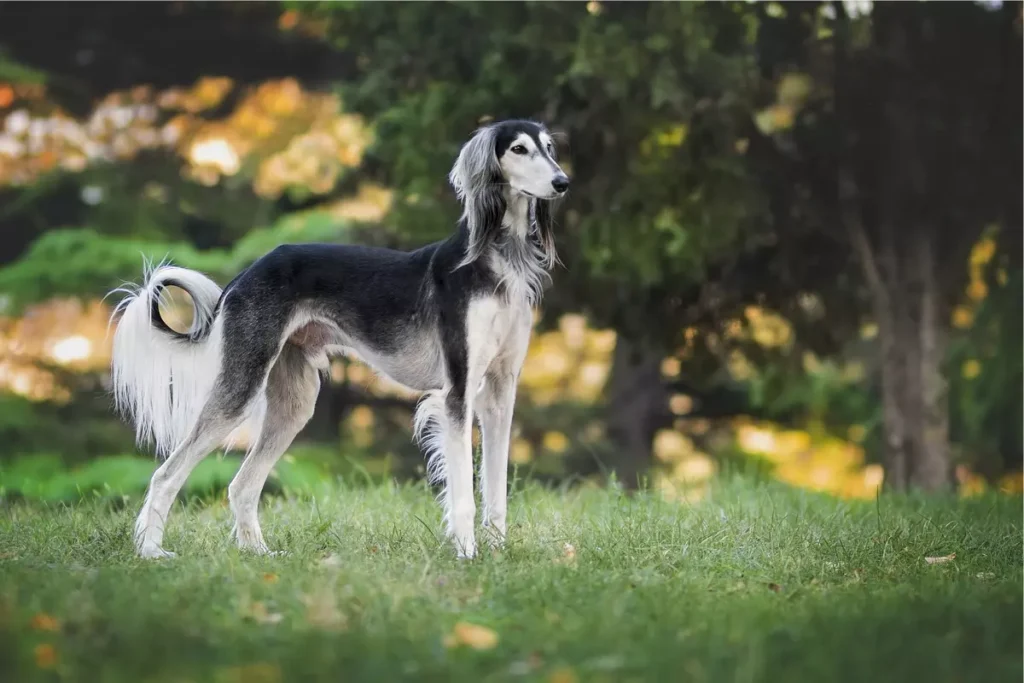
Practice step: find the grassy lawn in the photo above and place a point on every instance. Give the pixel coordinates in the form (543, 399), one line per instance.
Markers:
(754, 583)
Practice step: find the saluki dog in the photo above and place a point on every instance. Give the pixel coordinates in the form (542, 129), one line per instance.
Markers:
(451, 319)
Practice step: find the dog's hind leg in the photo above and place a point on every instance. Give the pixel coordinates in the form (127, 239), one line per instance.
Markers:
(291, 393)
(245, 362)
(214, 425)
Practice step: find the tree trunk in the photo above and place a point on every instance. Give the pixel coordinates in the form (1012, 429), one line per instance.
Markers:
(914, 390)
(932, 466)
(884, 175)
(894, 427)
(636, 407)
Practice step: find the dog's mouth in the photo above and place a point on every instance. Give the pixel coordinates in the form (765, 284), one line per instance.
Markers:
(551, 197)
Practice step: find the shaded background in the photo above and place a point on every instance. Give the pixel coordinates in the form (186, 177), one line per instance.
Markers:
(792, 246)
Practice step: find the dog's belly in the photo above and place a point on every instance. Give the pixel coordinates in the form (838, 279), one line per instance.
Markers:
(416, 364)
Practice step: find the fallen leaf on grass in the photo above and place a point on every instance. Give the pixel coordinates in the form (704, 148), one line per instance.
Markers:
(471, 635)
(46, 656)
(259, 613)
(568, 555)
(774, 587)
(269, 578)
(44, 622)
(940, 560)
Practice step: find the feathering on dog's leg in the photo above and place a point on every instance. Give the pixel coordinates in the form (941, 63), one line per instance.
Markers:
(291, 397)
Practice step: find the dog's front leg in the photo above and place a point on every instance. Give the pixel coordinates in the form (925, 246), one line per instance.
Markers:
(497, 402)
(496, 406)
(460, 508)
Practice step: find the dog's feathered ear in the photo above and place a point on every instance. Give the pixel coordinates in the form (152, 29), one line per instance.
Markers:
(544, 232)
(476, 178)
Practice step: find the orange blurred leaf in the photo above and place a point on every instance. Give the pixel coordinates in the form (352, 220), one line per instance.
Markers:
(471, 635)
(45, 622)
(258, 612)
(46, 656)
(288, 20)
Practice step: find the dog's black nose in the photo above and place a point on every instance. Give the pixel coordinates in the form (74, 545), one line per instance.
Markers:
(560, 183)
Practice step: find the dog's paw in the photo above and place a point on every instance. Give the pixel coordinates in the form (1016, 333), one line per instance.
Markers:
(154, 552)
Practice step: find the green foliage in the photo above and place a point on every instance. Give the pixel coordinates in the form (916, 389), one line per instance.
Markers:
(14, 71)
(83, 262)
(82, 429)
(757, 583)
(653, 98)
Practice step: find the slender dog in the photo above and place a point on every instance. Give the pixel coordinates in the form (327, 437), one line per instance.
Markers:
(451, 319)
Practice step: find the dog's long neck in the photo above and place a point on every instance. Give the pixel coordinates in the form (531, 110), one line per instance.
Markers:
(517, 215)
(517, 259)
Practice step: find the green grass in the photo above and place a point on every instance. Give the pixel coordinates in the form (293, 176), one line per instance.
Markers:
(755, 583)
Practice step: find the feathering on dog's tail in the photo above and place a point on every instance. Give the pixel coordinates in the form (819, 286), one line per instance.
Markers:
(162, 378)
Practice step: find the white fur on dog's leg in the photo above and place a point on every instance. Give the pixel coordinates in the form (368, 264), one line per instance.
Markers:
(250, 540)
(149, 528)
(460, 525)
(459, 503)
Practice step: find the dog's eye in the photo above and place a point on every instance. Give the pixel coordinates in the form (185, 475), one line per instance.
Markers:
(518, 149)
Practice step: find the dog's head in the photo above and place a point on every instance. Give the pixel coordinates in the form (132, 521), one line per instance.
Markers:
(507, 159)
(519, 155)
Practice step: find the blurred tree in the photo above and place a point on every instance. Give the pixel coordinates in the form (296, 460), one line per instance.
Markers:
(901, 131)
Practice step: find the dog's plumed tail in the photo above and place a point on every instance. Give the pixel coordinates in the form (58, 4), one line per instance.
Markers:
(161, 377)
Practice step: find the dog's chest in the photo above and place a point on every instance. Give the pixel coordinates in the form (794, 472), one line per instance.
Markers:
(494, 329)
